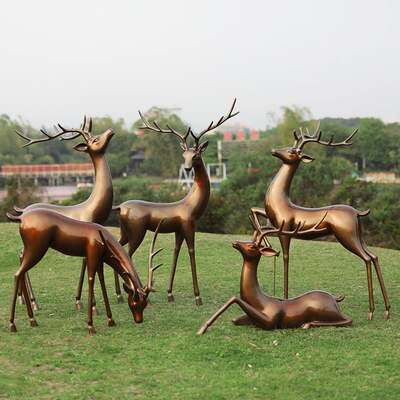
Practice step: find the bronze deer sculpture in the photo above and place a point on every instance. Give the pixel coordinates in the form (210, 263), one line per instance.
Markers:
(136, 217)
(312, 309)
(342, 221)
(98, 206)
(41, 229)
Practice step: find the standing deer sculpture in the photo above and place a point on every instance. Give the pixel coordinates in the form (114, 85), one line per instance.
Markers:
(98, 206)
(136, 217)
(41, 229)
(312, 309)
(342, 221)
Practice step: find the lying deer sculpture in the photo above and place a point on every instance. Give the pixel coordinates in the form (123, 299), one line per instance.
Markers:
(342, 221)
(41, 229)
(312, 309)
(136, 217)
(98, 206)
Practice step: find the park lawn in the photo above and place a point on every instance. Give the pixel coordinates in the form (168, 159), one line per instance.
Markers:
(164, 359)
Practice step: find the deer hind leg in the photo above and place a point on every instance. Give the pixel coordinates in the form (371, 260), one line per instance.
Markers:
(28, 260)
(93, 261)
(189, 238)
(178, 245)
(347, 321)
(31, 294)
(78, 303)
(285, 244)
(242, 320)
(378, 271)
(352, 242)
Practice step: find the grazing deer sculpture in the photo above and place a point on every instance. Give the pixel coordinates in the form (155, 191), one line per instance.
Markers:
(342, 221)
(98, 206)
(136, 217)
(41, 229)
(312, 309)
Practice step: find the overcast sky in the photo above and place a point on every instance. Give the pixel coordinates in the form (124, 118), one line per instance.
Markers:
(61, 59)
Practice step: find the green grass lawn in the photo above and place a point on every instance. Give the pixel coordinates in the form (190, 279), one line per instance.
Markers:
(164, 359)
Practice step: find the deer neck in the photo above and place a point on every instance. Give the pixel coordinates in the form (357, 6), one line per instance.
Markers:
(101, 198)
(199, 193)
(250, 290)
(278, 193)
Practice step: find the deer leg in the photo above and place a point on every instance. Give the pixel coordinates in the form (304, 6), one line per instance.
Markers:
(178, 245)
(120, 298)
(91, 277)
(285, 243)
(78, 295)
(17, 285)
(27, 302)
(31, 294)
(255, 315)
(189, 237)
(314, 324)
(105, 295)
(242, 320)
(378, 271)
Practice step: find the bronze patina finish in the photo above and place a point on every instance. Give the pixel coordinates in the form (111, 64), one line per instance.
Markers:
(41, 229)
(98, 206)
(342, 221)
(136, 217)
(312, 309)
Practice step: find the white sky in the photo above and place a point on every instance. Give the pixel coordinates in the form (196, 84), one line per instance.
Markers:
(61, 59)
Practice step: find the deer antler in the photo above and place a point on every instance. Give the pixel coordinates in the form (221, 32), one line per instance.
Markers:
(213, 125)
(297, 230)
(304, 138)
(257, 231)
(152, 254)
(156, 128)
(85, 131)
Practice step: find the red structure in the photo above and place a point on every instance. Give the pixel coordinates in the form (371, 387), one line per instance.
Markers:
(227, 136)
(254, 134)
(46, 170)
(240, 136)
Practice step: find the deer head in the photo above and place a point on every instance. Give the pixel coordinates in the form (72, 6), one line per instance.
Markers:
(294, 154)
(191, 155)
(260, 246)
(137, 296)
(94, 145)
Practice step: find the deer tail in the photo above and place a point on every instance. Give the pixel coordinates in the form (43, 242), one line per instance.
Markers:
(363, 213)
(339, 298)
(18, 209)
(13, 218)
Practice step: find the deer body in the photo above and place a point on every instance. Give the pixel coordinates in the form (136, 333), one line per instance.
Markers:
(342, 221)
(136, 217)
(41, 229)
(312, 309)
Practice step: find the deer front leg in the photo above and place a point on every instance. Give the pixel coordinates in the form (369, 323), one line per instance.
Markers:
(111, 322)
(178, 245)
(285, 243)
(120, 298)
(28, 302)
(31, 294)
(253, 313)
(189, 237)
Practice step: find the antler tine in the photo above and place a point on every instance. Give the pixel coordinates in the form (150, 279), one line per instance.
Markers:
(152, 254)
(158, 129)
(31, 141)
(213, 125)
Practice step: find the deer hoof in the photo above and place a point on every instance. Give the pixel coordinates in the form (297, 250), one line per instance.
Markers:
(78, 305)
(111, 322)
(33, 322)
(21, 300)
(202, 330)
(370, 316)
(170, 298)
(92, 331)
(198, 301)
(13, 328)
(120, 298)
(386, 315)
(35, 306)
(306, 326)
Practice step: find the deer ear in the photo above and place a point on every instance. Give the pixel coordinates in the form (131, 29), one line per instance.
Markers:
(203, 146)
(81, 147)
(269, 252)
(306, 159)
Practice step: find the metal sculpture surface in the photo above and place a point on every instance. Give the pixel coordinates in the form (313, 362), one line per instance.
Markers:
(312, 309)
(98, 206)
(342, 221)
(41, 229)
(136, 217)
